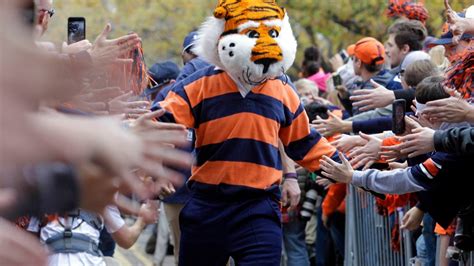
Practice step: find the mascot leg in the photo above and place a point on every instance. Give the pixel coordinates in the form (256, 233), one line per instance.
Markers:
(214, 229)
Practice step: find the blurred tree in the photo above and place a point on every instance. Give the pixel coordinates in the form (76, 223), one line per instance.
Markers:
(163, 24)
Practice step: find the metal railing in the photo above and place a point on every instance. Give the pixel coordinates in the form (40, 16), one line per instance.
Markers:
(368, 234)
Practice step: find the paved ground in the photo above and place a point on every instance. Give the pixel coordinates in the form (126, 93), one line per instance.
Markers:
(136, 255)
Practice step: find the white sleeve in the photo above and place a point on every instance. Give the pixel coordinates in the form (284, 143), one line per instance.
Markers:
(112, 219)
(34, 225)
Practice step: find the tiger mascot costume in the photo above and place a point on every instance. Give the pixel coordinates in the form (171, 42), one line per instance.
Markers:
(241, 108)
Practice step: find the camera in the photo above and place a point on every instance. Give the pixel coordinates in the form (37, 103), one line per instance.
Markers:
(309, 204)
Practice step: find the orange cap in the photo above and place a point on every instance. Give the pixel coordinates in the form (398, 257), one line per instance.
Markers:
(350, 49)
(369, 51)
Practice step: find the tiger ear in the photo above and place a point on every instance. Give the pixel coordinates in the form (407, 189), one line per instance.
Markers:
(220, 12)
(283, 11)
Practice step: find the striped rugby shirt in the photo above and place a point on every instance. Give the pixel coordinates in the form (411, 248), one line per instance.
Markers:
(237, 137)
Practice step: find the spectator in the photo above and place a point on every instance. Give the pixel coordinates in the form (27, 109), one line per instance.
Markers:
(82, 229)
(369, 57)
(404, 36)
(163, 74)
(381, 96)
(443, 198)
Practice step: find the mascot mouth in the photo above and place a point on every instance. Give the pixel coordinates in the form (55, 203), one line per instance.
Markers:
(247, 77)
(266, 62)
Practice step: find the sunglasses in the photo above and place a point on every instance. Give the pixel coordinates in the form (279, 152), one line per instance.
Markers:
(50, 12)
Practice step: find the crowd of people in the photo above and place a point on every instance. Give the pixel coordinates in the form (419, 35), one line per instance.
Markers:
(87, 138)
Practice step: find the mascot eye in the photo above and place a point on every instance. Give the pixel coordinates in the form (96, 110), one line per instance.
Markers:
(253, 34)
(273, 33)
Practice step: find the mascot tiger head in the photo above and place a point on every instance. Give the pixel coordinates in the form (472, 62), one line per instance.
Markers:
(250, 39)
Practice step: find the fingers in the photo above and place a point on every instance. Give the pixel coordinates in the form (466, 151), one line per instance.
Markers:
(375, 84)
(153, 115)
(104, 94)
(412, 124)
(366, 137)
(343, 159)
(157, 170)
(333, 115)
(124, 39)
(124, 97)
(105, 33)
(165, 136)
(360, 94)
(137, 111)
(123, 61)
(447, 6)
(138, 104)
(294, 199)
(284, 196)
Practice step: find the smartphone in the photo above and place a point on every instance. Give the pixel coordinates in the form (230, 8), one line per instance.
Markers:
(76, 29)
(344, 55)
(336, 80)
(398, 117)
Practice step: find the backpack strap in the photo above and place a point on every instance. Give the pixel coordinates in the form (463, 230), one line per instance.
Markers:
(69, 242)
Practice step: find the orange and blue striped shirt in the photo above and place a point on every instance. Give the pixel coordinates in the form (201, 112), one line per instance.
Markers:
(237, 137)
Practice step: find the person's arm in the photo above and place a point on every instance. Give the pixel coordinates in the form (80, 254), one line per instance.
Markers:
(303, 144)
(372, 126)
(406, 94)
(455, 140)
(126, 235)
(398, 181)
(379, 112)
(177, 105)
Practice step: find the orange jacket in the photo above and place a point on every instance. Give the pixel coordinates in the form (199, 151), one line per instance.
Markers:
(335, 199)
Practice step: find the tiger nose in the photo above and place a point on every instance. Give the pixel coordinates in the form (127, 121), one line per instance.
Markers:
(266, 62)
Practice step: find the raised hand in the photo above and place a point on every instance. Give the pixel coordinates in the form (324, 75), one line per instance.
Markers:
(346, 143)
(420, 141)
(76, 47)
(368, 99)
(105, 52)
(331, 126)
(366, 155)
(452, 109)
(131, 109)
(149, 212)
(336, 171)
(457, 25)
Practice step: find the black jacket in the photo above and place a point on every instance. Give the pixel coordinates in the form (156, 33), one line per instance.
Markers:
(455, 140)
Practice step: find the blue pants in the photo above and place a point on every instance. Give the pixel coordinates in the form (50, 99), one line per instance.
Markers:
(213, 229)
(323, 242)
(295, 246)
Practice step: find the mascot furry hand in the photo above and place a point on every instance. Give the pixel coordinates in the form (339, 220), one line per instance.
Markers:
(250, 39)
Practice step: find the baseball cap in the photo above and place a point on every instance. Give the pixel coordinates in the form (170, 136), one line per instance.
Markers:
(162, 73)
(189, 40)
(368, 50)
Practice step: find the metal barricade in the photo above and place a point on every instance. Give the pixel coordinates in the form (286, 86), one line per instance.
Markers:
(368, 234)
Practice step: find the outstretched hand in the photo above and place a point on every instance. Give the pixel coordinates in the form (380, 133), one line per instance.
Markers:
(368, 99)
(105, 52)
(457, 25)
(366, 155)
(331, 126)
(340, 172)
